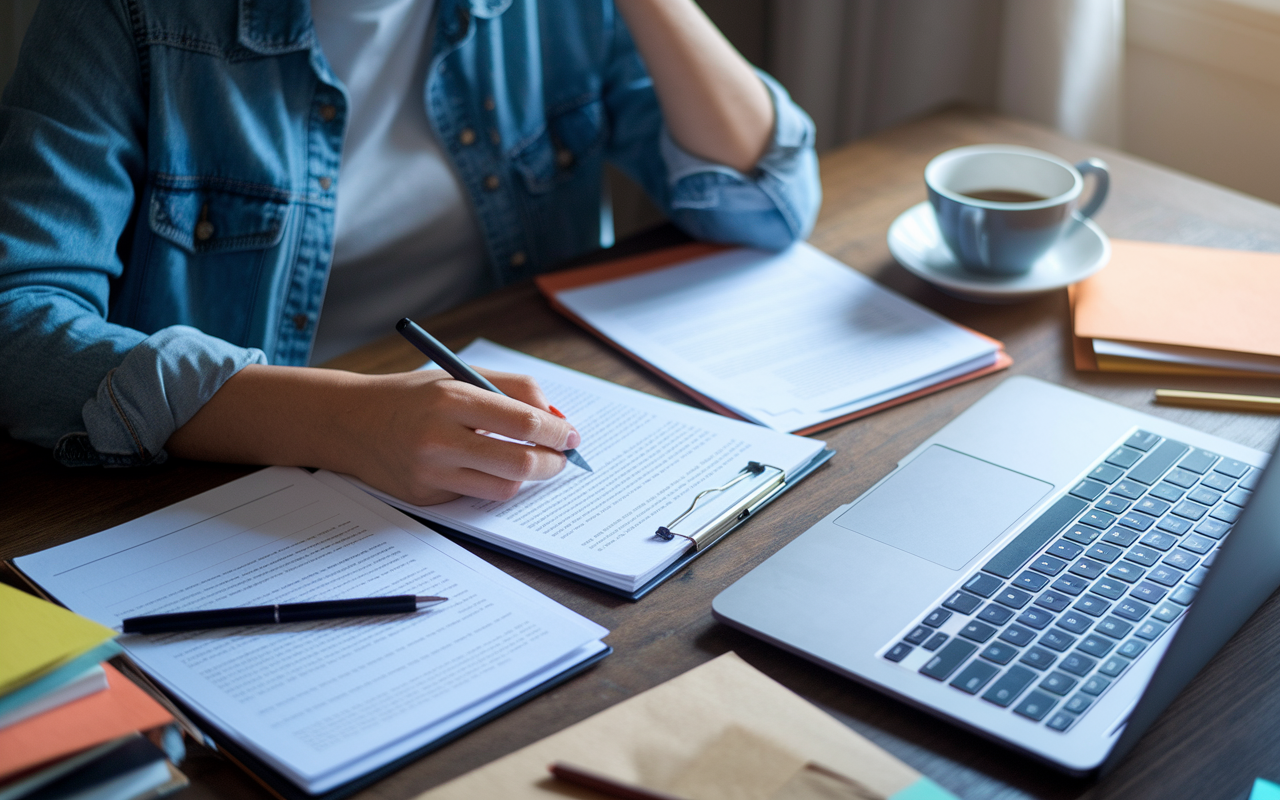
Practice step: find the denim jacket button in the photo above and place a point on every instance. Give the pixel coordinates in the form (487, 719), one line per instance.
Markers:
(564, 158)
(518, 258)
(467, 137)
(204, 230)
(300, 321)
(325, 182)
(328, 112)
(492, 183)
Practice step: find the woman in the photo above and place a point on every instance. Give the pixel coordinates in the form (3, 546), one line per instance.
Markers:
(180, 182)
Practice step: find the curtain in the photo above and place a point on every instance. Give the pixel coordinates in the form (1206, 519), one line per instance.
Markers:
(859, 66)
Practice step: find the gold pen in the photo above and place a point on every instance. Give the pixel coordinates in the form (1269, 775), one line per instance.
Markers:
(1218, 401)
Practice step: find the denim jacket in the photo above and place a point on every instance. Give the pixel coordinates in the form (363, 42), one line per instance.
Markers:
(168, 172)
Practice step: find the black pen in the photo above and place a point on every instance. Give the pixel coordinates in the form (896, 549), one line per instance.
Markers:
(449, 362)
(274, 615)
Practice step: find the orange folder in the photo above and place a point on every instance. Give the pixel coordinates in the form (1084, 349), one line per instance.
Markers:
(551, 284)
(122, 709)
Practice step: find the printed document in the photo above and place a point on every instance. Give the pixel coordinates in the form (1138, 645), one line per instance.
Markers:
(650, 457)
(322, 702)
(788, 340)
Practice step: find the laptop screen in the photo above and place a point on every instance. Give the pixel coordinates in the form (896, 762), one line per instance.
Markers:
(1244, 574)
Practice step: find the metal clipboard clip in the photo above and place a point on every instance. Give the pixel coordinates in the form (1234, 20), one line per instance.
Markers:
(710, 533)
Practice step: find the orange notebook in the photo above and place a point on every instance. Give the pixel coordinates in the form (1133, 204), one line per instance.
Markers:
(122, 709)
(551, 284)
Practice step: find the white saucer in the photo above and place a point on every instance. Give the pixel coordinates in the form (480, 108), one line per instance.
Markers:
(917, 244)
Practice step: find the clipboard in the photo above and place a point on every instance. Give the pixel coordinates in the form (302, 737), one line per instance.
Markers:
(551, 284)
(723, 524)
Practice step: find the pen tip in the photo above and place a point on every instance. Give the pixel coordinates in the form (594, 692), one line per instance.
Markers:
(576, 458)
(403, 322)
(431, 599)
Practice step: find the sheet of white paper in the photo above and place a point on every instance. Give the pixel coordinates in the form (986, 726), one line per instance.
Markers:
(650, 458)
(1192, 356)
(786, 339)
(318, 699)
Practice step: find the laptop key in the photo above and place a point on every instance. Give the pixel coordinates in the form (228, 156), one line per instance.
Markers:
(1056, 639)
(1065, 550)
(1167, 492)
(1109, 588)
(1060, 721)
(1198, 461)
(973, 677)
(1036, 535)
(1189, 510)
(1132, 648)
(1126, 571)
(1239, 497)
(983, 585)
(1148, 592)
(1157, 462)
(1141, 554)
(1197, 576)
(1011, 684)
(1229, 466)
(1114, 627)
(1159, 540)
(1183, 595)
(946, 660)
(1096, 645)
(1164, 575)
(1137, 521)
(999, 652)
(1107, 473)
(1124, 457)
(1213, 528)
(935, 641)
(1058, 682)
(1174, 525)
(1089, 489)
(1181, 559)
(1167, 611)
(1071, 584)
(1092, 605)
(1152, 506)
(1104, 552)
(1217, 481)
(1087, 568)
(899, 651)
(918, 635)
(1075, 622)
(1204, 495)
(1113, 666)
(1013, 597)
(1122, 537)
(1098, 519)
(1054, 601)
(1031, 581)
(1082, 534)
(963, 602)
(1129, 490)
(1095, 685)
(1249, 480)
(1182, 479)
(1143, 440)
(1226, 513)
(977, 631)
(937, 617)
(1036, 705)
(1036, 618)
(1113, 504)
(1077, 663)
(1048, 565)
(995, 614)
(1016, 634)
(1132, 609)
(1198, 544)
(1150, 630)
(1078, 703)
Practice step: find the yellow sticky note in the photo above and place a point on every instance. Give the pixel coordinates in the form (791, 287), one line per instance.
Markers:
(37, 637)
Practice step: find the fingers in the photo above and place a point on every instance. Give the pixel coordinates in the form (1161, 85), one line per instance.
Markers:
(520, 387)
(515, 418)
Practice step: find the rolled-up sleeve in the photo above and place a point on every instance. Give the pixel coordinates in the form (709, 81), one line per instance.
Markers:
(71, 156)
(772, 207)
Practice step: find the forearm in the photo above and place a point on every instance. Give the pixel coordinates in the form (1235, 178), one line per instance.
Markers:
(713, 103)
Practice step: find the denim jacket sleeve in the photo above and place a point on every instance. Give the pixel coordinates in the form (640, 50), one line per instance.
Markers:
(71, 163)
(773, 206)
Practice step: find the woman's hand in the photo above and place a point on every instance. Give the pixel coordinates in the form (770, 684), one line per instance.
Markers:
(413, 434)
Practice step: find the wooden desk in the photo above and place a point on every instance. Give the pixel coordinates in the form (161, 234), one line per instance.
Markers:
(1221, 733)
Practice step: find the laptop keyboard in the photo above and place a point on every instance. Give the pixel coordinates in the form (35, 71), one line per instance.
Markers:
(1063, 610)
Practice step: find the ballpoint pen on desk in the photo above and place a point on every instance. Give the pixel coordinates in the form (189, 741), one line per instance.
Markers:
(606, 785)
(1218, 401)
(450, 363)
(277, 614)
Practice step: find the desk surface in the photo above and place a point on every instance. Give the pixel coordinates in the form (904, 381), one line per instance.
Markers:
(1220, 733)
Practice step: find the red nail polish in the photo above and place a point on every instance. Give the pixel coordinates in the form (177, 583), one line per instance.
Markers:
(557, 412)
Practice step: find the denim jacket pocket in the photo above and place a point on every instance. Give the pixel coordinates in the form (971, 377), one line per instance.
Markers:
(210, 216)
(572, 135)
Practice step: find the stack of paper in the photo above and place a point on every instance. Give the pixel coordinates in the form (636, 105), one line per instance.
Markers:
(68, 722)
(1178, 310)
(795, 341)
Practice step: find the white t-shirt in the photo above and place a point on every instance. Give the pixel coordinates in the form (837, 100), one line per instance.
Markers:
(406, 240)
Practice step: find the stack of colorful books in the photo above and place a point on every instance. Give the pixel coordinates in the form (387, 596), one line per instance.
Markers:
(71, 725)
(1178, 310)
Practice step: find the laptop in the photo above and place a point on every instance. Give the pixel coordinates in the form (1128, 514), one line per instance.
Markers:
(1048, 570)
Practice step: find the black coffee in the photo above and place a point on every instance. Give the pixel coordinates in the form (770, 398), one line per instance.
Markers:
(1005, 196)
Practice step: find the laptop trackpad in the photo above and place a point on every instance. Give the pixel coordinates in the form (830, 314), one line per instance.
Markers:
(944, 506)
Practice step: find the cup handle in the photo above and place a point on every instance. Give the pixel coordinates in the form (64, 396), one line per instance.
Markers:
(973, 240)
(1102, 182)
